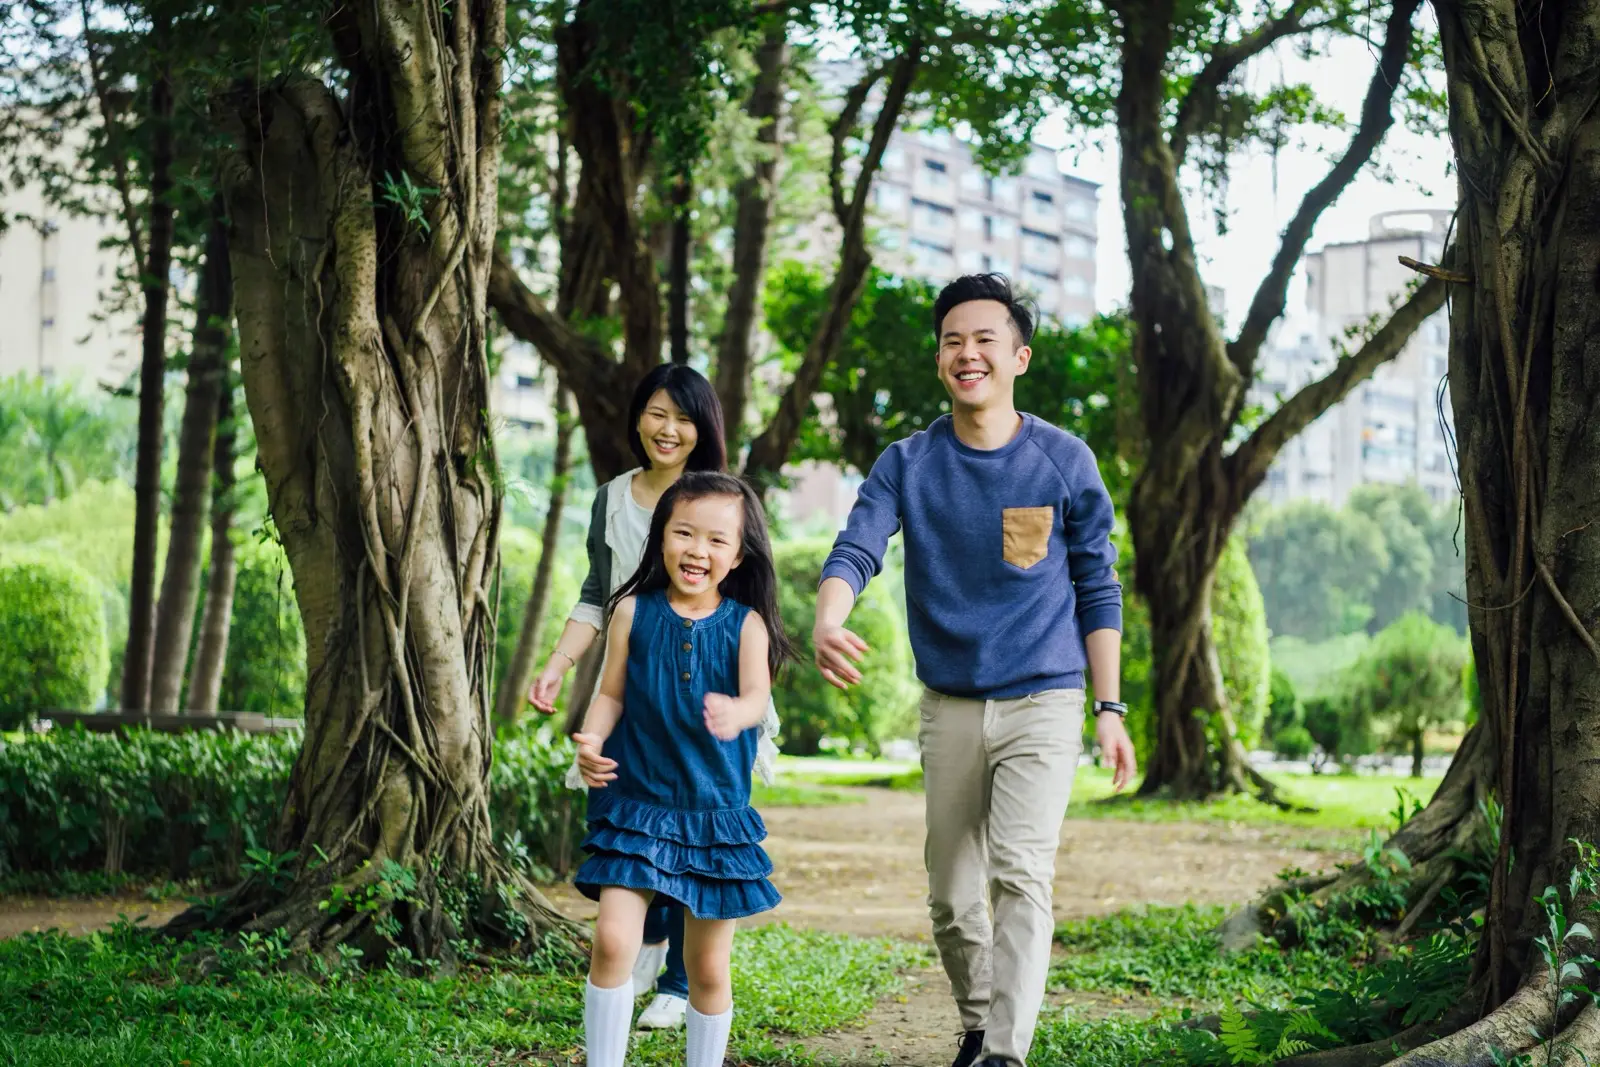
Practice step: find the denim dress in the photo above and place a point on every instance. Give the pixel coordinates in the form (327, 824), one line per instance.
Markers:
(677, 820)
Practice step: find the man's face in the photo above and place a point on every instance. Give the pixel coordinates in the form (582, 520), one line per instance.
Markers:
(979, 355)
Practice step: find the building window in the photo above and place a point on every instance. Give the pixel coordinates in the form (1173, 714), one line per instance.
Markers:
(889, 238)
(1043, 165)
(49, 321)
(889, 197)
(928, 258)
(1080, 210)
(1000, 265)
(1041, 247)
(971, 221)
(894, 157)
(1042, 278)
(933, 216)
(525, 382)
(1043, 198)
(972, 181)
(1076, 285)
(971, 262)
(1078, 247)
(935, 173)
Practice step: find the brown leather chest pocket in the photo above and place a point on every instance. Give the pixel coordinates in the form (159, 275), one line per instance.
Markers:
(1025, 535)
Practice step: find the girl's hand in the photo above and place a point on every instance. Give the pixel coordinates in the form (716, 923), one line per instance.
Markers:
(542, 694)
(595, 768)
(725, 718)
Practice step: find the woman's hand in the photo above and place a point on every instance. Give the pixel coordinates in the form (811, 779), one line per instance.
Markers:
(545, 688)
(728, 717)
(595, 768)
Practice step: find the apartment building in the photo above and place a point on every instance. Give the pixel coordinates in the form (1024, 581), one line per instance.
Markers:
(1397, 426)
(939, 215)
(56, 320)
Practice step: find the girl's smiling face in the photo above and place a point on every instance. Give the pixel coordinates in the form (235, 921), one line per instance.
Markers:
(700, 543)
(667, 433)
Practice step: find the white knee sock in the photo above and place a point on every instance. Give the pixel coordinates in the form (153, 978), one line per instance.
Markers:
(708, 1038)
(607, 1014)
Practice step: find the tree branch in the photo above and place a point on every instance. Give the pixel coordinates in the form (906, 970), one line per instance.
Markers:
(575, 356)
(119, 161)
(770, 450)
(752, 221)
(843, 127)
(1198, 107)
(1376, 118)
(1249, 463)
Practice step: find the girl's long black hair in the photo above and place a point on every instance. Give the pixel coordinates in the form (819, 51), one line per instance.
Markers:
(694, 396)
(753, 583)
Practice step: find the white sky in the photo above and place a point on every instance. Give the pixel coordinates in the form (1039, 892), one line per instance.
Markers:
(1257, 212)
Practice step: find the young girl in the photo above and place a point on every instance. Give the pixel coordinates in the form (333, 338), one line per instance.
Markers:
(677, 426)
(666, 749)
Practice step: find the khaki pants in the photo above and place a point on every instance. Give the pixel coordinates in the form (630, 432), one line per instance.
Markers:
(998, 775)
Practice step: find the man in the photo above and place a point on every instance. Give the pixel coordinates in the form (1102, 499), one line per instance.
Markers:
(1010, 593)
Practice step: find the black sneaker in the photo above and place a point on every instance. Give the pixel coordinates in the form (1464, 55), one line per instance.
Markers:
(971, 1045)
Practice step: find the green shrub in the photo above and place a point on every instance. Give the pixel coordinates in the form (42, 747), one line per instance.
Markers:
(1283, 704)
(810, 709)
(94, 529)
(1239, 627)
(1293, 742)
(52, 637)
(265, 670)
(192, 803)
(1410, 680)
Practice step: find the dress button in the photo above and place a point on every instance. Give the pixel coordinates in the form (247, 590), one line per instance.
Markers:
(686, 676)
(687, 647)
(687, 623)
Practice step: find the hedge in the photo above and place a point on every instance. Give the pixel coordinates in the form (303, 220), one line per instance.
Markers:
(809, 709)
(52, 636)
(191, 804)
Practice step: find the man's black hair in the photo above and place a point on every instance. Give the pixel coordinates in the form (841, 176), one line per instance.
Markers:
(996, 287)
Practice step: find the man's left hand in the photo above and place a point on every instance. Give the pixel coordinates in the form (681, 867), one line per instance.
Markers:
(1116, 748)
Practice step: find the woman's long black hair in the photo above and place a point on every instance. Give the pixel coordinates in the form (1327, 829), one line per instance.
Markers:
(753, 583)
(694, 396)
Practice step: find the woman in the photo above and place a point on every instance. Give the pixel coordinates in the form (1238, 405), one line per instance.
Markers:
(677, 424)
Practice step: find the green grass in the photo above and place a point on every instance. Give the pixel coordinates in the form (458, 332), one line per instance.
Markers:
(120, 999)
(1343, 801)
(798, 795)
(1172, 954)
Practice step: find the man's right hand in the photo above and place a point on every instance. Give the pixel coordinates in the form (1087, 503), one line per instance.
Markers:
(542, 694)
(838, 651)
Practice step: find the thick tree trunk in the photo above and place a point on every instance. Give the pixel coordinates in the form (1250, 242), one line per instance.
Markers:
(191, 495)
(751, 222)
(511, 698)
(152, 383)
(1525, 387)
(216, 616)
(362, 340)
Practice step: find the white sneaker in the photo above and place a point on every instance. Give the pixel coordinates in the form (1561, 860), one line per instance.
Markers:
(666, 1012)
(651, 962)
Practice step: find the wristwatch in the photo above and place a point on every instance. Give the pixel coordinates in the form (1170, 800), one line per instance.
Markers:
(1116, 707)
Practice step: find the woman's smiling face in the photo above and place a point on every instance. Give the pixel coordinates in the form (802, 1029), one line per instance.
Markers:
(667, 433)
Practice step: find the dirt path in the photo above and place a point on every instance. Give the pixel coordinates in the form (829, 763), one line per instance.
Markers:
(857, 869)
(22, 915)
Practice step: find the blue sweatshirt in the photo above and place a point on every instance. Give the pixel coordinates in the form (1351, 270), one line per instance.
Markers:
(1009, 560)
